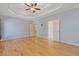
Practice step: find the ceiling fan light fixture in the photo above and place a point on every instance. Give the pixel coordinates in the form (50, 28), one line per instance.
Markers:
(33, 7)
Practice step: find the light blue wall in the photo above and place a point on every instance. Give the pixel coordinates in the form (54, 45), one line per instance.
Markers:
(42, 31)
(13, 28)
(69, 26)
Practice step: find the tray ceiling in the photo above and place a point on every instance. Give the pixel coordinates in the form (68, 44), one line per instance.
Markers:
(18, 9)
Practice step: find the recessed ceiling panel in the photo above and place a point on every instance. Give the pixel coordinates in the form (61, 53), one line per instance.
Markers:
(18, 9)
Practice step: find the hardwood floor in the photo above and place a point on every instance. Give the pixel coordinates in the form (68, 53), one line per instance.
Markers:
(34, 46)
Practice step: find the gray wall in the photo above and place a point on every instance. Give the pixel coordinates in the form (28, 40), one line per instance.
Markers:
(13, 28)
(42, 31)
(69, 26)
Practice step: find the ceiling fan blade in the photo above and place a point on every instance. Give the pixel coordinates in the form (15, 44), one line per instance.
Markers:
(35, 4)
(31, 4)
(33, 11)
(28, 9)
(27, 5)
(37, 8)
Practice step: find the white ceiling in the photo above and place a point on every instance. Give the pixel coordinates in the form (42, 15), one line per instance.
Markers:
(18, 9)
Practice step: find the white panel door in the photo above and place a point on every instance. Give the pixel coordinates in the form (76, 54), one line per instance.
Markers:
(53, 29)
(56, 29)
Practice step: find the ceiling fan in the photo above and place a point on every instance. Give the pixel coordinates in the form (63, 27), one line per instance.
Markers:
(33, 7)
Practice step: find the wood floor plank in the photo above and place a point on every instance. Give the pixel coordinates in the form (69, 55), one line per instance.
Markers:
(34, 46)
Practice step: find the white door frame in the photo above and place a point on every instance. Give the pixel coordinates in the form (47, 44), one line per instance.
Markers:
(53, 33)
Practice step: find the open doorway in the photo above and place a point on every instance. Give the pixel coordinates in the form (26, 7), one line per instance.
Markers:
(33, 32)
(50, 30)
(53, 30)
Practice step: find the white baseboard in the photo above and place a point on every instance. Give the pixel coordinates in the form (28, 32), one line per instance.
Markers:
(69, 43)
